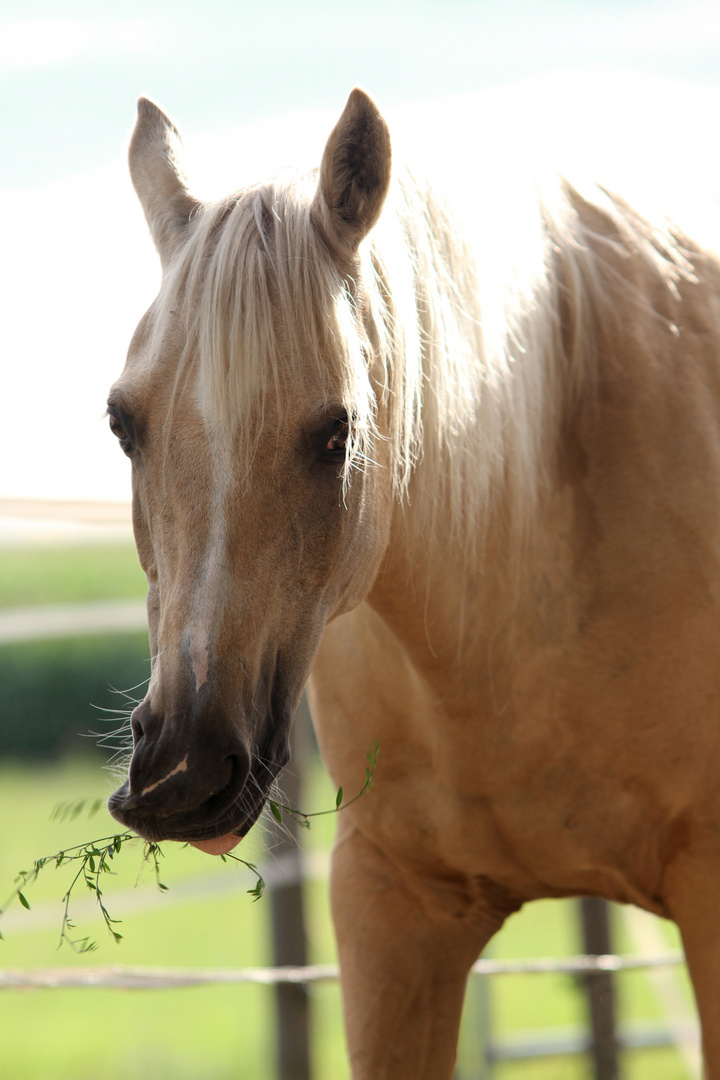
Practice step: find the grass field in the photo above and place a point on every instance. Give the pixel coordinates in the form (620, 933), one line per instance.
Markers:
(206, 919)
(53, 575)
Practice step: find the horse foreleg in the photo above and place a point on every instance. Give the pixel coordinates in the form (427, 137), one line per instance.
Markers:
(692, 891)
(404, 964)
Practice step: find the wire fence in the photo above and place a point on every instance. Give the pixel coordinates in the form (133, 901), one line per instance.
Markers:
(120, 977)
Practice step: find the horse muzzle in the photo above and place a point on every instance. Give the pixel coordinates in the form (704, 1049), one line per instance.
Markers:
(193, 779)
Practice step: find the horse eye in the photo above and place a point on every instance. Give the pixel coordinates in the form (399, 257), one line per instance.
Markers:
(337, 443)
(119, 432)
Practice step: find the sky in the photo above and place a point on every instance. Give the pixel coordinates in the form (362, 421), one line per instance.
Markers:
(252, 83)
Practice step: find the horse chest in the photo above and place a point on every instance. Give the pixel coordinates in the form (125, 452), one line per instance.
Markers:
(554, 777)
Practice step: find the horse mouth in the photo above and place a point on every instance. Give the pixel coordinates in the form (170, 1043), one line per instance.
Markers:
(150, 819)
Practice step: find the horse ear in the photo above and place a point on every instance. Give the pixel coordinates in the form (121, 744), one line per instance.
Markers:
(354, 174)
(158, 178)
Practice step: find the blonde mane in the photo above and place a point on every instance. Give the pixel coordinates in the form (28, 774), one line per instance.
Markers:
(480, 332)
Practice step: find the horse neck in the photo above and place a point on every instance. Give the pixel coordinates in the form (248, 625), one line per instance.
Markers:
(443, 594)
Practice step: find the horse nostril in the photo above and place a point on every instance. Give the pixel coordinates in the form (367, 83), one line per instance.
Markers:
(231, 777)
(224, 776)
(143, 723)
(136, 728)
(239, 770)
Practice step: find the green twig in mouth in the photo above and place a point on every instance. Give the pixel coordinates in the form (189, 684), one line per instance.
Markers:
(93, 860)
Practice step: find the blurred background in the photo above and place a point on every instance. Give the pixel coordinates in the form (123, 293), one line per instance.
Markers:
(253, 85)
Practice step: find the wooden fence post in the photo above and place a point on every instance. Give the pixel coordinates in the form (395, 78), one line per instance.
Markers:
(600, 991)
(288, 920)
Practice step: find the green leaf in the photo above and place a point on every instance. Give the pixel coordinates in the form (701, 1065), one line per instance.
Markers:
(276, 813)
(23, 900)
(258, 891)
(338, 799)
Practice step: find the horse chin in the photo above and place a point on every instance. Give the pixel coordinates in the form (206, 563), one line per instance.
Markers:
(221, 845)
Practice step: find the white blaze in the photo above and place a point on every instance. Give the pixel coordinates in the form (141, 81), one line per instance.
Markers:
(211, 590)
(200, 656)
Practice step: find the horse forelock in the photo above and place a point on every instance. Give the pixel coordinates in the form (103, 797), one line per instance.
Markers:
(266, 318)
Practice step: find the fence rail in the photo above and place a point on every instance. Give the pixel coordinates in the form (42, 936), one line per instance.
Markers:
(38, 621)
(119, 977)
(74, 510)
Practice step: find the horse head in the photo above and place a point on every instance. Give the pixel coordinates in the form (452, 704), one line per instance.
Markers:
(251, 408)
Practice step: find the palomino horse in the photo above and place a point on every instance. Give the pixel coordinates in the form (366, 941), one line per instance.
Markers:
(482, 503)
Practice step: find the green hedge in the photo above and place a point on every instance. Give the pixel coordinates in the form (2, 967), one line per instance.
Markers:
(52, 693)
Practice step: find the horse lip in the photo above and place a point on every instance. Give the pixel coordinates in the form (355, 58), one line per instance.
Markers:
(156, 827)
